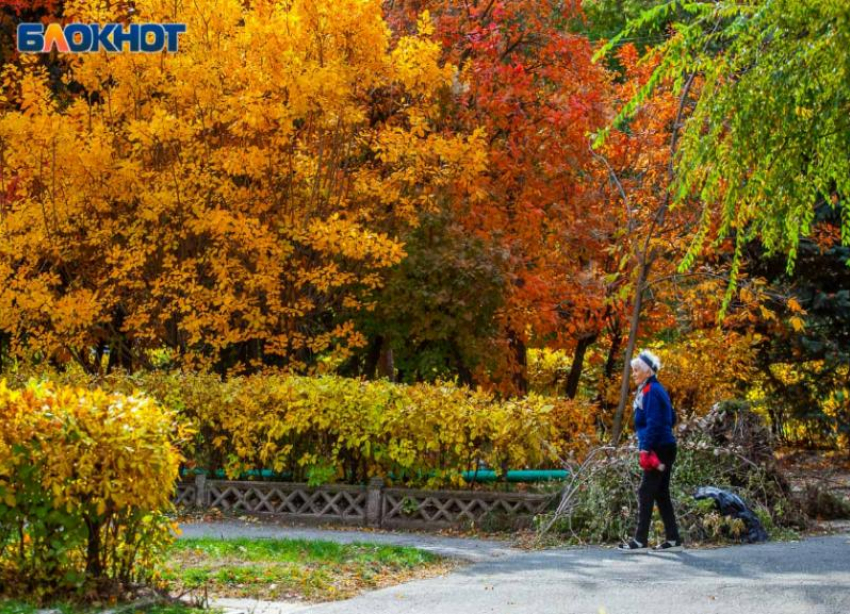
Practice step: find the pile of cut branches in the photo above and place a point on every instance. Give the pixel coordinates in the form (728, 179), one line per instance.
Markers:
(728, 448)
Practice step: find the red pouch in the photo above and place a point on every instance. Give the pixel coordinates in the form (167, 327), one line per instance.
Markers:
(649, 460)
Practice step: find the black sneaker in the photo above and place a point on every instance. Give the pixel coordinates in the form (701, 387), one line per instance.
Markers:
(633, 547)
(669, 546)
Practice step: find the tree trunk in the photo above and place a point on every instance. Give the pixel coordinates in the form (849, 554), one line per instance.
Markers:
(373, 355)
(5, 348)
(643, 272)
(611, 361)
(386, 367)
(119, 354)
(94, 567)
(464, 373)
(578, 365)
(607, 375)
(646, 257)
(520, 374)
(119, 346)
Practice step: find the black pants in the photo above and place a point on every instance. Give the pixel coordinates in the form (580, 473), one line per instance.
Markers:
(655, 488)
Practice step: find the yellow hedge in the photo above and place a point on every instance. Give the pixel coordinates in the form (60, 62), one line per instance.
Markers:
(85, 477)
(325, 429)
(336, 429)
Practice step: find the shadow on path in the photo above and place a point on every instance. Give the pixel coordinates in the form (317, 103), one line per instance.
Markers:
(806, 577)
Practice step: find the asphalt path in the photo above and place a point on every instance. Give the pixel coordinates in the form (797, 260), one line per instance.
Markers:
(810, 577)
(807, 577)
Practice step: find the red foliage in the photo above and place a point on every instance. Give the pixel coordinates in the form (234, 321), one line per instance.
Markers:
(49, 7)
(533, 88)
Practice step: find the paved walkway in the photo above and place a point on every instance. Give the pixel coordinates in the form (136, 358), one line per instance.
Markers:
(808, 577)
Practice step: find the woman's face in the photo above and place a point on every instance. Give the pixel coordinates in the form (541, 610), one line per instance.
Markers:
(640, 372)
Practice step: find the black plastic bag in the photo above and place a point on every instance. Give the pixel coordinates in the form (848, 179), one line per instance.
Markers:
(730, 504)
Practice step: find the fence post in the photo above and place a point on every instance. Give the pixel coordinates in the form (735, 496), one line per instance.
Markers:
(200, 490)
(374, 502)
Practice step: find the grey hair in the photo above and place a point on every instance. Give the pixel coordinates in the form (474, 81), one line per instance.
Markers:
(652, 358)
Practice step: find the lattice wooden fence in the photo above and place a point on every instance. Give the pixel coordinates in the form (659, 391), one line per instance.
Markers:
(187, 494)
(371, 505)
(284, 499)
(407, 508)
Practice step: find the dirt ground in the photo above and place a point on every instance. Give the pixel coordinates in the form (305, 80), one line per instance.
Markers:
(825, 469)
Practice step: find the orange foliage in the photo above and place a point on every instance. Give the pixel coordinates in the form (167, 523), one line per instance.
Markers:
(228, 202)
(533, 88)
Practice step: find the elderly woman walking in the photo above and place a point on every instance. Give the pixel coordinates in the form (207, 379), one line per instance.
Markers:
(654, 420)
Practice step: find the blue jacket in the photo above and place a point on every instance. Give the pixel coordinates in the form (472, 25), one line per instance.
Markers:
(654, 416)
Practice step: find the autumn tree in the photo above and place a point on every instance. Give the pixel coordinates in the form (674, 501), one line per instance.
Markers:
(436, 316)
(802, 365)
(531, 85)
(761, 158)
(729, 155)
(637, 159)
(13, 12)
(227, 202)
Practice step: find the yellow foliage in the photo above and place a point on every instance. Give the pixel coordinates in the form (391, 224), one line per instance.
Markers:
(417, 61)
(825, 419)
(705, 367)
(422, 433)
(256, 180)
(837, 407)
(85, 477)
(548, 370)
(350, 430)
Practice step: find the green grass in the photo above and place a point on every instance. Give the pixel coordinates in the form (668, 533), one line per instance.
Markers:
(20, 607)
(292, 568)
(274, 569)
(303, 551)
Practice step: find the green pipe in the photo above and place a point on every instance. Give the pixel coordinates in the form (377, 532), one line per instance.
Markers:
(482, 475)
